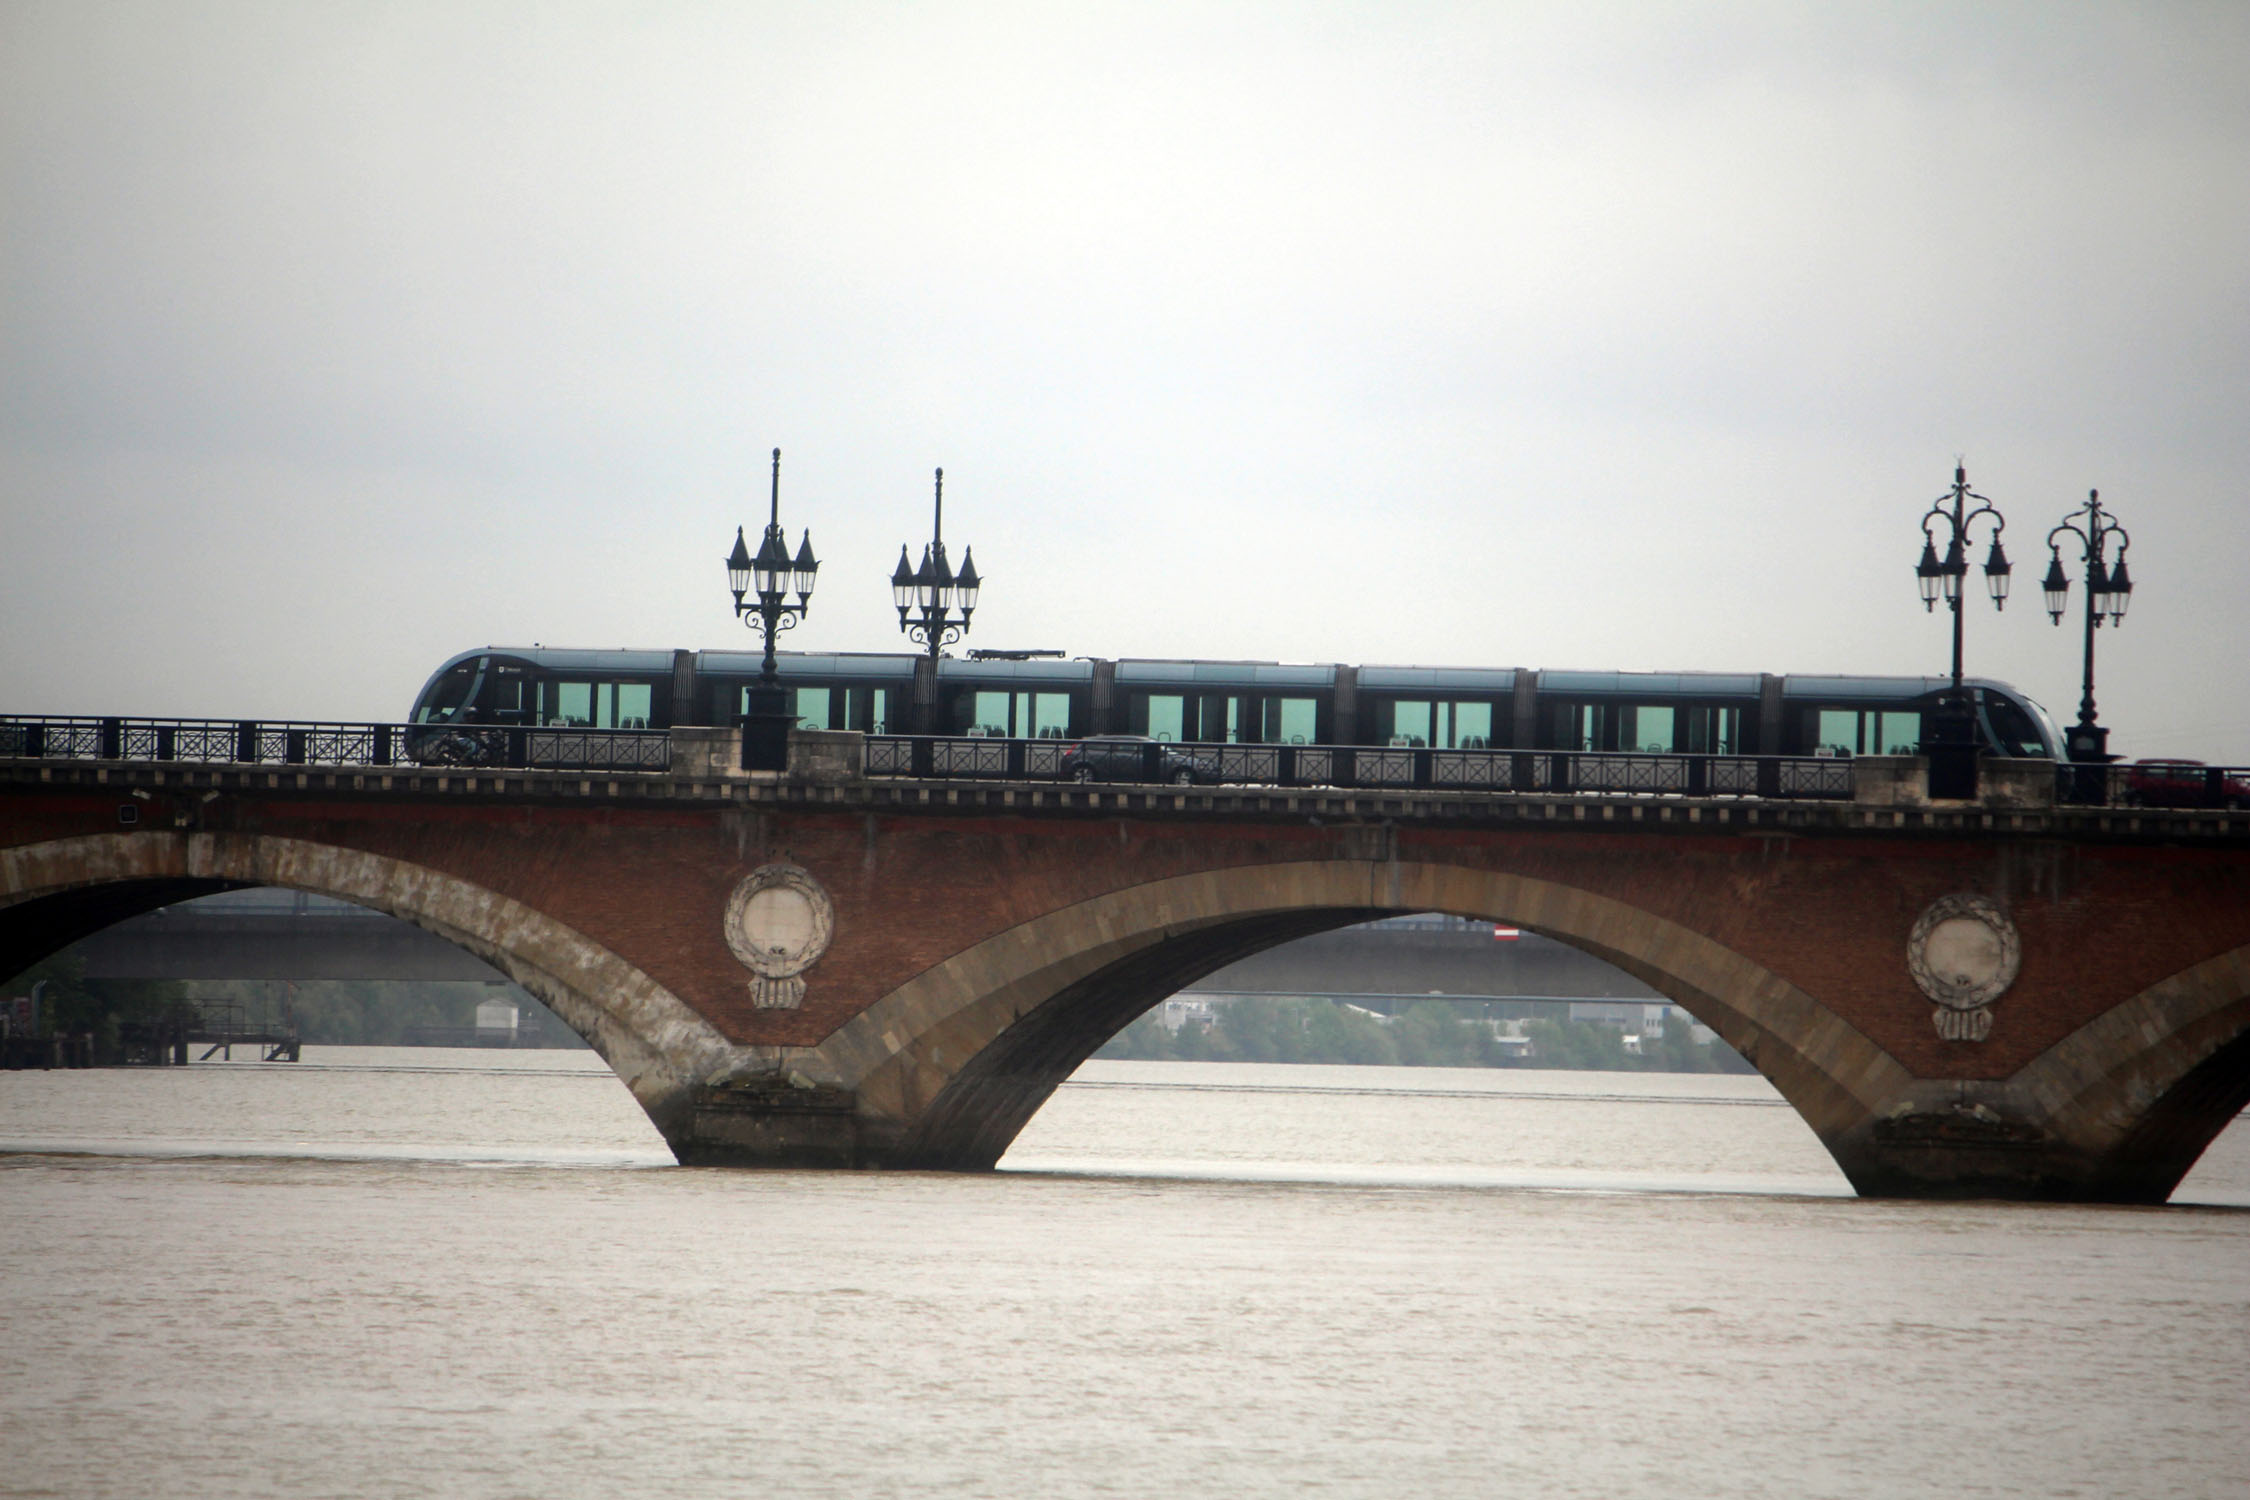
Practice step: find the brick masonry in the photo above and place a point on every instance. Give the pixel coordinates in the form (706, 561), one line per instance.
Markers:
(1824, 903)
(1830, 913)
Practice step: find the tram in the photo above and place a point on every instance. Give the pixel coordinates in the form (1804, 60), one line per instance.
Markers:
(1039, 695)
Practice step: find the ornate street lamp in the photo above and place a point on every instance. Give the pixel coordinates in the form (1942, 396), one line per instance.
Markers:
(2108, 591)
(934, 602)
(1950, 738)
(761, 587)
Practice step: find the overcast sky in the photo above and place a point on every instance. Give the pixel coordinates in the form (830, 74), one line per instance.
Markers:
(335, 339)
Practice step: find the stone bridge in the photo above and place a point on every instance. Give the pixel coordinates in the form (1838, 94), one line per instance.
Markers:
(816, 968)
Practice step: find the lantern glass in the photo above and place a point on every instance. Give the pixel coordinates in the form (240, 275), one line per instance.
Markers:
(1927, 573)
(2057, 585)
(1996, 573)
(771, 570)
(966, 586)
(805, 569)
(902, 582)
(738, 567)
(944, 582)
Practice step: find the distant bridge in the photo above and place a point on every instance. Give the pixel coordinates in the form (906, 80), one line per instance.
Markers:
(295, 937)
(2010, 996)
(257, 935)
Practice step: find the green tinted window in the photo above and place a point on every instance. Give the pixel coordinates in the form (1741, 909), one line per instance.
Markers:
(1412, 722)
(811, 708)
(991, 716)
(566, 702)
(1838, 731)
(1472, 726)
(1048, 715)
(1291, 721)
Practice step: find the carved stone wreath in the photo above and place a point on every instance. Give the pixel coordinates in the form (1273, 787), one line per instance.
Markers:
(778, 924)
(1964, 953)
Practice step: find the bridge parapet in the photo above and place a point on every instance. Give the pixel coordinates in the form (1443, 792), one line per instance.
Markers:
(491, 757)
(181, 795)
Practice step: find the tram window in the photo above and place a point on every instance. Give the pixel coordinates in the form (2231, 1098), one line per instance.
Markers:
(878, 716)
(811, 708)
(1290, 721)
(1446, 726)
(446, 698)
(1222, 718)
(2013, 727)
(1023, 716)
(1160, 716)
(595, 705)
(1652, 728)
(1855, 731)
(566, 703)
(1586, 726)
(1411, 722)
(1046, 716)
(1709, 731)
(1837, 732)
(1472, 726)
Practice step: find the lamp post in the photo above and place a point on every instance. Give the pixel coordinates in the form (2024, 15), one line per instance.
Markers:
(761, 587)
(934, 604)
(1950, 738)
(2108, 591)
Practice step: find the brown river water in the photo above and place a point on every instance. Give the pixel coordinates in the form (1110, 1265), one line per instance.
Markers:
(412, 1272)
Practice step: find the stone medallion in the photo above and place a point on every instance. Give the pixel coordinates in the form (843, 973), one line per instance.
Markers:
(778, 924)
(1964, 953)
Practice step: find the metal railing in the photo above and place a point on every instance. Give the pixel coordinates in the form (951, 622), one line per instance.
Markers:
(2182, 784)
(255, 742)
(1362, 767)
(2163, 784)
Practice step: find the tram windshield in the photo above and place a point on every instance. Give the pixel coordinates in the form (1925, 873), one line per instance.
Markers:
(447, 694)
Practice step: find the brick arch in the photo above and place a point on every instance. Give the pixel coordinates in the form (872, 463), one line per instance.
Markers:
(2143, 1089)
(948, 1067)
(653, 1041)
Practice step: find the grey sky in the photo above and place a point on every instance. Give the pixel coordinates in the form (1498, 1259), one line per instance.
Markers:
(336, 339)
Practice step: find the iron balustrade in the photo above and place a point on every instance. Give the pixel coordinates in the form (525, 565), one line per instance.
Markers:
(1376, 767)
(255, 742)
(2176, 784)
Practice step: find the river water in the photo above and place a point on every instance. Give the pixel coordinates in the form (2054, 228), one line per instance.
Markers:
(409, 1272)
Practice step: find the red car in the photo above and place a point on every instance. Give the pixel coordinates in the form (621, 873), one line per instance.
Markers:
(2185, 783)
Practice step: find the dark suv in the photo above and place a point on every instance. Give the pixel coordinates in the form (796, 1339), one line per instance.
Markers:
(1133, 757)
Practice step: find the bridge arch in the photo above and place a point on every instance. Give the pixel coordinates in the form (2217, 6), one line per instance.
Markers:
(55, 892)
(2144, 1088)
(950, 1066)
